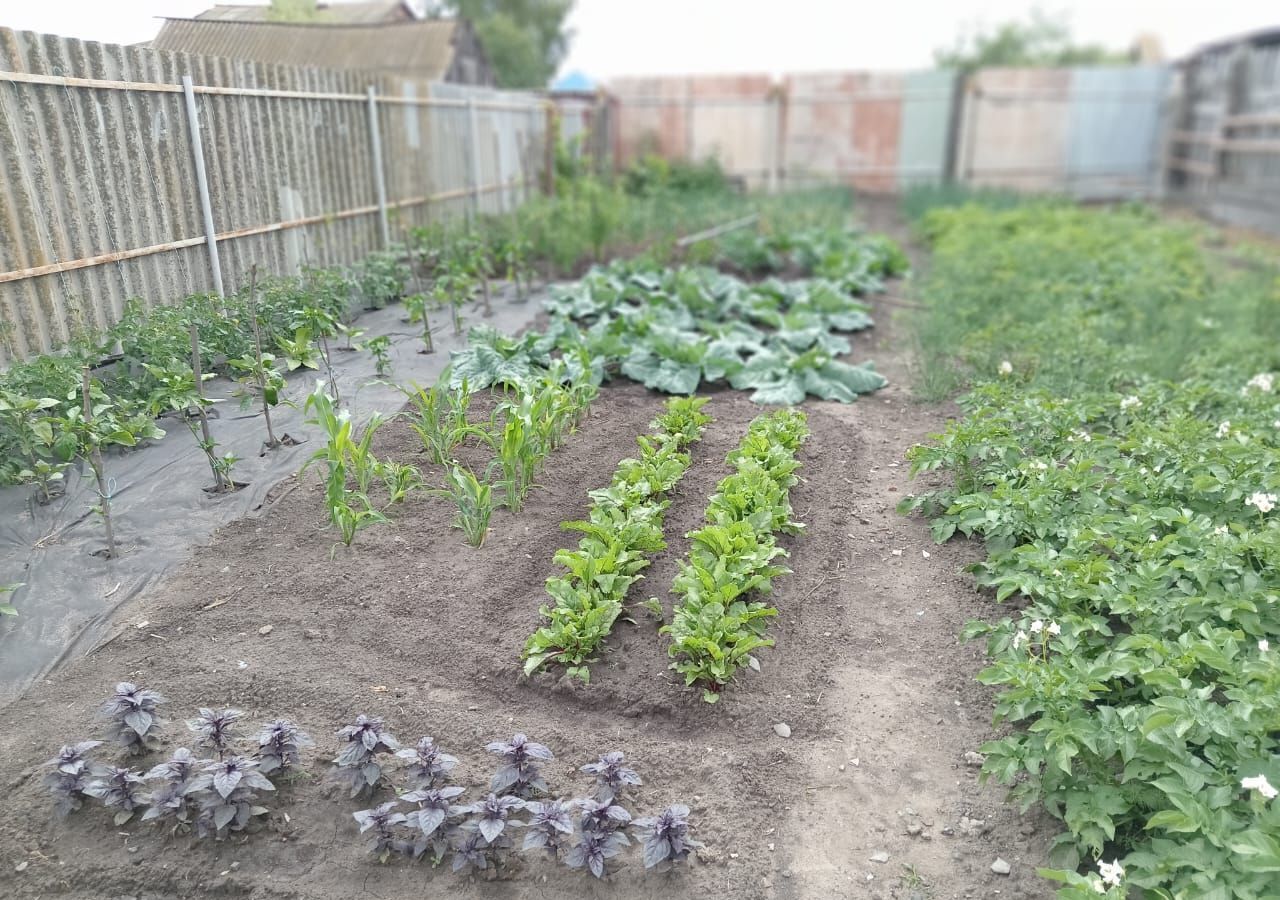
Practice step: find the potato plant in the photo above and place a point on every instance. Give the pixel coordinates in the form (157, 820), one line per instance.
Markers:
(720, 619)
(623, 529)
(1117, 457)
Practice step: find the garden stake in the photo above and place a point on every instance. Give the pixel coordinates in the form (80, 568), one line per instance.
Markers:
(271, 443)
(95, 463)
(219, 484)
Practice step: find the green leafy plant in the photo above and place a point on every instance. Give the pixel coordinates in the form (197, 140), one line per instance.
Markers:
(439, 418)
(416, 306)
(474, 501)
(6, 608)
(719, 621)
(29, 423)
(1116, 456)
(380, 347)
(381, 277)
(624, 528)
(176, 392)
(344, 456)
(93, 424)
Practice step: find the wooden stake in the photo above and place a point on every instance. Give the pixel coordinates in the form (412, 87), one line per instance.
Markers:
(207, 447)
(272, 443)
(95, 463)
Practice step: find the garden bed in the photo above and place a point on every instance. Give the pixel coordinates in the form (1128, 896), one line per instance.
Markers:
(414, 626)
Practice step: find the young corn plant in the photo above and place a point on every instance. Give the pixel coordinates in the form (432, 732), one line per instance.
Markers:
(439, 418)
(416, 305)
(473, 499)
(350, 511)
(519, 451)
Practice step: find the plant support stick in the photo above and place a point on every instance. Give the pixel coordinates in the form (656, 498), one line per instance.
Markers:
(95, 462)
(206, 443)
(272, 443)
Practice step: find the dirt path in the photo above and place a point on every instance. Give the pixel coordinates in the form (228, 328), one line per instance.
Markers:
(892, 808)
(417, 628)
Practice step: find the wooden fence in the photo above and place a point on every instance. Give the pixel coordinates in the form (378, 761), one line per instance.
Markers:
(134, 173)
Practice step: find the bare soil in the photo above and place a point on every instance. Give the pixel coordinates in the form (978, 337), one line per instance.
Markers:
(414, 626)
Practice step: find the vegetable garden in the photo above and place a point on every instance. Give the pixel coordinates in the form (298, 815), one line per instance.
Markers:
(653, 540)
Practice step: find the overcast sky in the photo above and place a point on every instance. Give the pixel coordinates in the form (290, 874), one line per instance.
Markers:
(621, 37)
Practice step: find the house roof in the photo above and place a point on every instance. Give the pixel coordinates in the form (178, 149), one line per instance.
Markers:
(421, 49)
(361, 12)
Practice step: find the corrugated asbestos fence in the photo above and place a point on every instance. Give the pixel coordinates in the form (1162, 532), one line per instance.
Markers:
(101, 196)
(1092, 132)
(1224, 145)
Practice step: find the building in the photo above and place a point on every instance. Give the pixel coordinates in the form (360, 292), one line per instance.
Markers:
(390, 37)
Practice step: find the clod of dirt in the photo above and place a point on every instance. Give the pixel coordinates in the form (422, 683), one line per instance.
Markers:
(879, 857)
(1000, 867)
(974, 759)
(265, 630)
(782, 730)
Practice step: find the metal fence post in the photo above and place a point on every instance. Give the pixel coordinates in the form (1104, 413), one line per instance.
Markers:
(202, 184)
(473, 140)
(378, 177)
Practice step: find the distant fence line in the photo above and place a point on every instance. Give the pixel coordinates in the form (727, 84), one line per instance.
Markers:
(1093, 131)
(1205, 132)
(138, 173)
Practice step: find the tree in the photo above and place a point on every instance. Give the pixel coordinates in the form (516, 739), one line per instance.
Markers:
(293, 11)
(523, 39)
(1043, 40)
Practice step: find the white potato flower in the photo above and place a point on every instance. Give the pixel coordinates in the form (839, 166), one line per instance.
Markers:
(1264, 502)
(1263, 381)
(1130, 402)
(1054, 628)
(1112, 872)
(1006, 368)
(1260, 784)
(1264, 645)
(1224, 429)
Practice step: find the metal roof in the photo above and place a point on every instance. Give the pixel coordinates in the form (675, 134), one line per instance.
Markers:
(363, 12)
(421, 49)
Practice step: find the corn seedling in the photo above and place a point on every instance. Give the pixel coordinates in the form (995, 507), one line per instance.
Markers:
(416, 306)
(350, 511)
(474, 501)
(519, 451)
(440, 419)
(399, 479)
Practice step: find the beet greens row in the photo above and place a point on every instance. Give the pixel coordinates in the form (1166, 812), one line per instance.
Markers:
(717, 626)
(623, 530)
